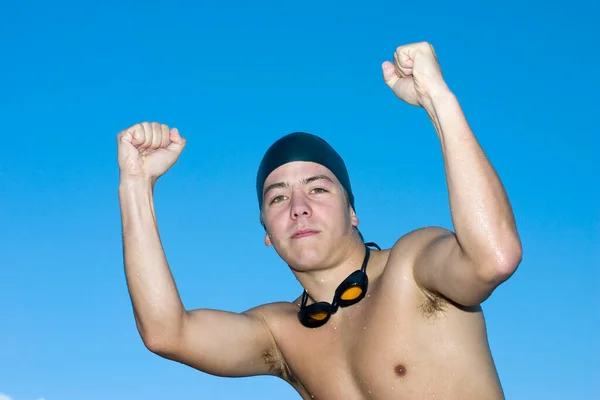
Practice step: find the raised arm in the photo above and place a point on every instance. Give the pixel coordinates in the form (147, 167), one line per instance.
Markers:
(484, 250)
(216, 342)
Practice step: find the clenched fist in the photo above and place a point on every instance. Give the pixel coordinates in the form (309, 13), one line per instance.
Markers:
(415, 75)
(148, 150)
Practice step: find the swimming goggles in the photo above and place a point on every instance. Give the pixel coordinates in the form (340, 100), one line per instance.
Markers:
(352, 290)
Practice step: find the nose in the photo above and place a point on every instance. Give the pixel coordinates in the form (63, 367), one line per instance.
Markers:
(300, 207)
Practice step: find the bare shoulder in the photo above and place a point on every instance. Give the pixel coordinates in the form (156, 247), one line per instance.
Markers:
(277, 316)
(403, 256)
(272, 313)
(411, 245)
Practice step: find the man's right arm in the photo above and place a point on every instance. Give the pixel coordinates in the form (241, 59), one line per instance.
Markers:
(216, 342)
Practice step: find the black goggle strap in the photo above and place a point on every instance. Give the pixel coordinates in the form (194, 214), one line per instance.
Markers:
(373, 244)
(304, 299)
(368, 254)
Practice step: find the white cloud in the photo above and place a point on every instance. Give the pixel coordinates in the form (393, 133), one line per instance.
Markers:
(5, 397)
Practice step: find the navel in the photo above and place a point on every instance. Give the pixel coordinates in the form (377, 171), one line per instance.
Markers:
(400, 370)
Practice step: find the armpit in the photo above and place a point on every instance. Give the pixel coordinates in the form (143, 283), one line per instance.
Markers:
(433, 304)
(277, 366)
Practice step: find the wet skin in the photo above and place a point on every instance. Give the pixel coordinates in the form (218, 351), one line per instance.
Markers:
(399, 342)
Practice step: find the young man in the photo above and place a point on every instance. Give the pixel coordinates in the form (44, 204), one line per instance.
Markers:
(407, 325)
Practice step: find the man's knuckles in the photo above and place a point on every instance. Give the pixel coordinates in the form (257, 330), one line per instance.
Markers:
(419, 47)
(146, 135)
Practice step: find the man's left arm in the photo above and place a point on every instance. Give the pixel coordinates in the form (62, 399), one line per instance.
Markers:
(484, 250)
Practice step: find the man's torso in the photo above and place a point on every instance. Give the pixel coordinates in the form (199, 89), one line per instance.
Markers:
(397, 343)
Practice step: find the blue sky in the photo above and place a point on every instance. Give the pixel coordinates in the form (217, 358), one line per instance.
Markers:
(235, 77)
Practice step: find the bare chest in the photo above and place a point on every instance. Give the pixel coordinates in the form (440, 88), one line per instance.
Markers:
(362, 349)
(384, 347)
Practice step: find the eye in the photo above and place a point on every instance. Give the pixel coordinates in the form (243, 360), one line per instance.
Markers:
(276, 199)
(319, 190)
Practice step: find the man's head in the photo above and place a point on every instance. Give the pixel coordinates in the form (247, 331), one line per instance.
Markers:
(305, 199)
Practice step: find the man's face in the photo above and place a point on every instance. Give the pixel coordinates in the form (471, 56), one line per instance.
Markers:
(306, 214)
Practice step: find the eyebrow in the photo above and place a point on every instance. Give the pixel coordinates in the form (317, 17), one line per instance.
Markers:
(303, 182)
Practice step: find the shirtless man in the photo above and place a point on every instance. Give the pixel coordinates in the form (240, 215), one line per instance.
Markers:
(417, 332)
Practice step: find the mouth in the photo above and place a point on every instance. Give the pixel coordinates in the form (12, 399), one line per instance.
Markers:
(304, 233)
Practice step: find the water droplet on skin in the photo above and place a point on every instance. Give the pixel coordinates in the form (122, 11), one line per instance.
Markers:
(365, 327)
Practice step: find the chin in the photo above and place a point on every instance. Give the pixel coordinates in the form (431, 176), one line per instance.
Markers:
(305, 254)
(306, 258)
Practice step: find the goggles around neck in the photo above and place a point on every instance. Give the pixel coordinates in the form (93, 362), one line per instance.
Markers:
(352, 290)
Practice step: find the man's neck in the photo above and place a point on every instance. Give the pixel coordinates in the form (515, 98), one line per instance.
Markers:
(321, 285)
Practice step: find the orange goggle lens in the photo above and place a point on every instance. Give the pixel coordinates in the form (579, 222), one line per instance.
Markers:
(319, 316)
(351, 293)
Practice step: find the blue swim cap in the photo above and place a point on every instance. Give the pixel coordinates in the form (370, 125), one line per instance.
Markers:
(301, 146)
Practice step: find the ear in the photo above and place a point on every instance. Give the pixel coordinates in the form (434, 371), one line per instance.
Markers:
(268, 240)
(354, 218)
(267, 235)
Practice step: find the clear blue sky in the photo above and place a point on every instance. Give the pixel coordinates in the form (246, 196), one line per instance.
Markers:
(233, 78)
